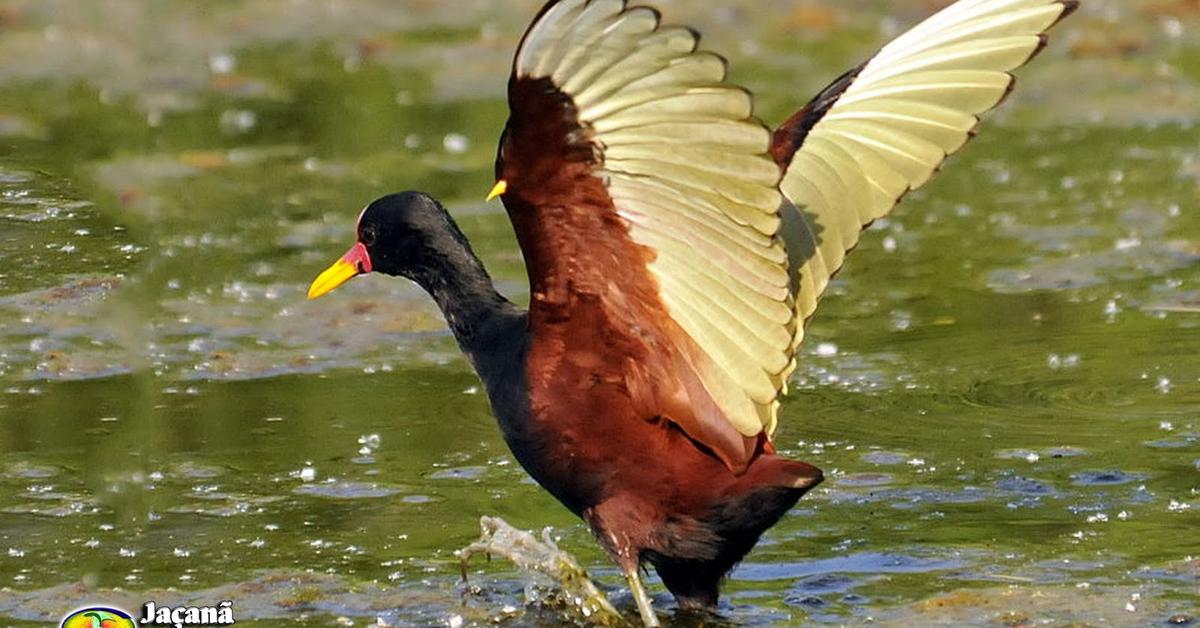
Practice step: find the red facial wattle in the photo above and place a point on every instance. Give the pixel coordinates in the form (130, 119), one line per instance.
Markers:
(355, 262)
(358, 257)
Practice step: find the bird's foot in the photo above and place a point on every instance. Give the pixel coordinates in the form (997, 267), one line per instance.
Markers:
(527, 552)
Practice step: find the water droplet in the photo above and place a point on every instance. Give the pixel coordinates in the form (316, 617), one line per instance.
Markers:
(456, 143)
(1173, 27)
(1111, 309)
(238, 121)
(1124, 244)
(901, 320)
(222, 63)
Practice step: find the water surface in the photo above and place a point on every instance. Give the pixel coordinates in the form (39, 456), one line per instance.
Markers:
(1002, 386)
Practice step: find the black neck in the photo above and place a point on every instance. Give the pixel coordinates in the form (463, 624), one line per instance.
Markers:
(491, 331)
(465, 293)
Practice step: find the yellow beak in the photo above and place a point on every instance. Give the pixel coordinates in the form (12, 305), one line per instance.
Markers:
(498, 190)
(355, 262)
(334, 276)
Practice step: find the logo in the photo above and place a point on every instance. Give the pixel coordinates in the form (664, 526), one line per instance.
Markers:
(180, 616)
(152, 614)
(98, 617)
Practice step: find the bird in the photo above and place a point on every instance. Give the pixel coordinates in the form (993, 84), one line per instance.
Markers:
(676, 247)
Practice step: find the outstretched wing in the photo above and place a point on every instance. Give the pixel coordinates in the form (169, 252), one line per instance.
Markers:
(885, 127)
(607, 90)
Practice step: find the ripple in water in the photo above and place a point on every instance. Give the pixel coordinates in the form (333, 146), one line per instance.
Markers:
(1105, 478)
(1025, 486)
(1049, 393)
(885, 458)
(1065, 452)
(863, 562)
(348, 490)
(230, 505)
(1183, 441)
(194, 471)
(866, 479)
(25, 470)
(825, 583)
(460, 473)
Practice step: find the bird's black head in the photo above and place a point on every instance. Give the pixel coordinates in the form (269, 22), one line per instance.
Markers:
(404, 233)
(407, 234)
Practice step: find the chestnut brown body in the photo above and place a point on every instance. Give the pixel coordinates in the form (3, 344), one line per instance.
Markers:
(610, 397)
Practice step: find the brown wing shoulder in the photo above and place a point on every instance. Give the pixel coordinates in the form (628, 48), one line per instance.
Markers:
(595, 313)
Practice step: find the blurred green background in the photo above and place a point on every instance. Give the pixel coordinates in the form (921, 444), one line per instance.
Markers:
(1003, 386)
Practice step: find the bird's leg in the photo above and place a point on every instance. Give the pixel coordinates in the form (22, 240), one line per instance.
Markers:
(645, 607)
(623, 554)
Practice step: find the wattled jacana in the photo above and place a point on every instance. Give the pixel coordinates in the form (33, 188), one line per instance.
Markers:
(675, 248)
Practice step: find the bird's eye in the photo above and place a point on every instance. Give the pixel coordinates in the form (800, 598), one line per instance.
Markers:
(367, 236)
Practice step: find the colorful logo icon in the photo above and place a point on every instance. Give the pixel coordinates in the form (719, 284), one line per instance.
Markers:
(98, 617)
